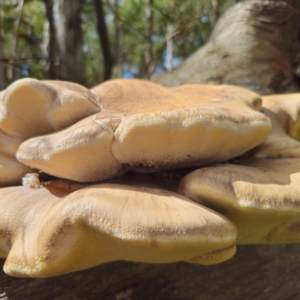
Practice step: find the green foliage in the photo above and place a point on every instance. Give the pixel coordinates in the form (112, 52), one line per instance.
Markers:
(188, 23)
(26, 53)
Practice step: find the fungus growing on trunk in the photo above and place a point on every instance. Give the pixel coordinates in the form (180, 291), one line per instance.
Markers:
(144, 126)
(135, 125)
(260, 196)
(11, 170)
(284, 138)
(29, 107)
(65, 227)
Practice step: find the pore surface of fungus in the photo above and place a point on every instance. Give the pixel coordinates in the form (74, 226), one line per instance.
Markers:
(64, 227)
(261, 196)
(144, 126)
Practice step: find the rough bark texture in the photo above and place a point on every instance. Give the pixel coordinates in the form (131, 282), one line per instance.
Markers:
(69, 37)
(256, 272)
(254, 45)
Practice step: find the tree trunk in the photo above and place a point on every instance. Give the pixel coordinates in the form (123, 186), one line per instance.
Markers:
(148, 55)
(118, 53)
(17, 21)
(215, 12)
(256, 272)
(103, 35)
(254, 45)
(2, 68)
(69, 38)
(169, 41)
(49, 41)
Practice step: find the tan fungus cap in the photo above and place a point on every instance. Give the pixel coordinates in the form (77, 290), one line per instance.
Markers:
(261, 196)
(148, 126)
(62, 228)
(283, 140)
(30, 107)
(11, 170)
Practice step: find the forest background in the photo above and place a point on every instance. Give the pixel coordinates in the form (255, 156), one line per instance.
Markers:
(89, 41)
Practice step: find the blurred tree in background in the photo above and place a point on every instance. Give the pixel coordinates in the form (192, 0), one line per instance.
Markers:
(87, 41)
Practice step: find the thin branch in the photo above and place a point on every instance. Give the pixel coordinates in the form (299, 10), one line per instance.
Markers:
(215, 14)
(130, 26)
(179, 28)
(13, 61)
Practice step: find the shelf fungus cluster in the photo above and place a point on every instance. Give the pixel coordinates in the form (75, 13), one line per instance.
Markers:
(131, 170)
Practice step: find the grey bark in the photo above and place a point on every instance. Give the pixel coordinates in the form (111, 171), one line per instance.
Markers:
(254, 45)
(69, 38)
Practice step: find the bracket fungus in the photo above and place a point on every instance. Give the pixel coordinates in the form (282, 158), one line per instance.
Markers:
(64, 227)
(144, 126)
(284, 138)
(260, 196)
(30, 107)
(88, 136)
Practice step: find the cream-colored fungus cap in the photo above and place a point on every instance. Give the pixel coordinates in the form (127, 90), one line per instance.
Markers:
(11, 170)
(186, 125)
(81, 152)
(284, 139)
(30, 107)
(145, 125)
(287, 109)
(63, 227)
(260, 196)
